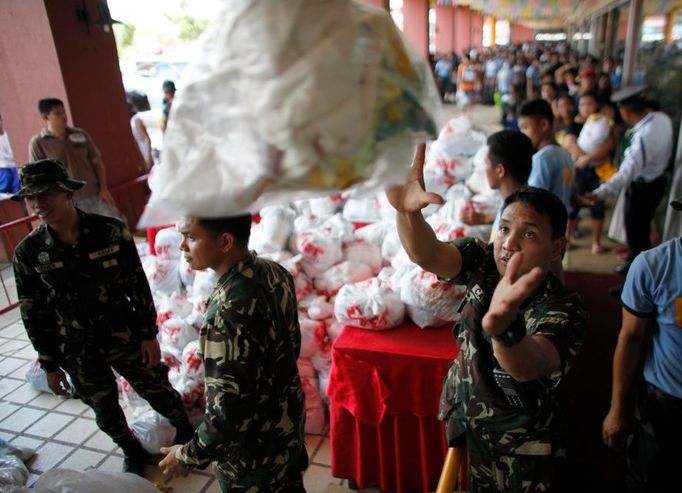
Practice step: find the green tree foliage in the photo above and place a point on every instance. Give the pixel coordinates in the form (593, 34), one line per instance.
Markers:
(125, 35)
(190, 28)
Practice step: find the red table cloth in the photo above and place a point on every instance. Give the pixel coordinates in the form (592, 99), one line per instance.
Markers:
(384, 389)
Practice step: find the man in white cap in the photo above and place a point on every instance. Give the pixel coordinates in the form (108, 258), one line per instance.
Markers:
(643, 169)
(651, 333)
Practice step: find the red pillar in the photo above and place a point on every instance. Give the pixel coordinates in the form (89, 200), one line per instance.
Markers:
(468, 30)
(521, 34)
(47, 51)
(476, 30)
(445, 28)
(462, 20)
(416, 25)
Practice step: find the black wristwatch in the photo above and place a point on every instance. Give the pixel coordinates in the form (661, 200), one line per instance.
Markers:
(514, 333)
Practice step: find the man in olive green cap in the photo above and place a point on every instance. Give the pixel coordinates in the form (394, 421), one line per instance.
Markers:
(87, 308)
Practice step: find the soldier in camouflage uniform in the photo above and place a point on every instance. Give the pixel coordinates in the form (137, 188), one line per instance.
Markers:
(253, 427)
(519, 331)
(87, 308)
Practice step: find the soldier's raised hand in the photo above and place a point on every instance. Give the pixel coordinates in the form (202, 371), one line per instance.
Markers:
(412, 196)
(509, 294)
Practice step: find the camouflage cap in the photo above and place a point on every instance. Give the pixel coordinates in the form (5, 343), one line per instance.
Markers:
(38, 176)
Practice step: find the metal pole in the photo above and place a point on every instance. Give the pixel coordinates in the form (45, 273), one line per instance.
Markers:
(632, 40)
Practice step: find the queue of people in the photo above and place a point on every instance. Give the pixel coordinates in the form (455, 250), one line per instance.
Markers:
(589, 117)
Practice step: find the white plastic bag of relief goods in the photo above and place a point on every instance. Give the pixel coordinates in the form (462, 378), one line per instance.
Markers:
(364, 252)
(13, 471)
(192, 364)
(369, 305)
(153, 431)
(290, 96)
(374, 233)
(330, 281)
(316, 307)
(93, 480)
(425, 291)
(362, 209)
(273, 230)
(318, 249)
(477, 182)
(164, 276)
(36, 376)
(167, 243)
(186, 274)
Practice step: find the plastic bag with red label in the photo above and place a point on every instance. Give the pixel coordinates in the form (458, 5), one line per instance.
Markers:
(186, 274)
(175, 334)
(303, 285)
(192, 364)
(204, 282)
(363, 251)
(167, 244)
(316, 307)
(132, 399)
(313, 335)
(305, 368)
(374, 233)
(164, 276)
(362, 209)
(318, 249)
(273, 230)
(334, 328)
(423, 290)
(169, 306)
(315, 420)
(191, 390)
(321, 207)
(329, 282)
(369, 305)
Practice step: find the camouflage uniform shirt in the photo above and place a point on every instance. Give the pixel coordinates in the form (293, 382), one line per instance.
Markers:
(471, 397)
(93, 292)
(250, 341)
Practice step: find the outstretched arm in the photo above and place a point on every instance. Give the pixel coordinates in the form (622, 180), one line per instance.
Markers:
(416, 236)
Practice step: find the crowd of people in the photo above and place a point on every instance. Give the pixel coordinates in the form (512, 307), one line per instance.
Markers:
(87, 307)
(607, 132)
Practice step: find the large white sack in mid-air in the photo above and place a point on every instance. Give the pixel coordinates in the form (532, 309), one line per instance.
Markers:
(302, 95)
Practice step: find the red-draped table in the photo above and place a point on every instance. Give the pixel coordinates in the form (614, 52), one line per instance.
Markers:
(384, 389)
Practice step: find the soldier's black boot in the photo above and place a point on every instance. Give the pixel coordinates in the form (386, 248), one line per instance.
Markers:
(135, 456)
